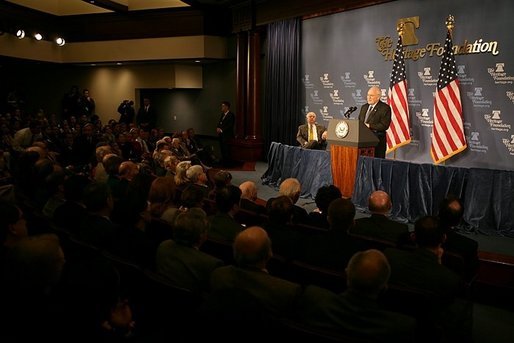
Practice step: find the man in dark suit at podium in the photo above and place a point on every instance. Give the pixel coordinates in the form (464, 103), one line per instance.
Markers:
(312, 135)
(376, 115)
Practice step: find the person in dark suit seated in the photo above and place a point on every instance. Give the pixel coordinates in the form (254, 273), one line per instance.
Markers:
(278, 226)
(221, 179)
(331, 249)
(379, 225)
(376, 115)
(223, 224)
(450, 215)
(421, 268)
(445, 305)
(252, 251)
(180, 259)
(292, 188)
(249, 197)
(73, 210)
(97, 228)
(323, 198)
(312, 135)
(356, 312)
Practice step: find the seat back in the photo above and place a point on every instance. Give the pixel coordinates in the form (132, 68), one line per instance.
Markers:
(219, 248)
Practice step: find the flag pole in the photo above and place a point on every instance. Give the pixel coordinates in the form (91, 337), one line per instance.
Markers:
(450, 24)
(400, 29)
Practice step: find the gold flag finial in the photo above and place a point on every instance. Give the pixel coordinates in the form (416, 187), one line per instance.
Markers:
(450, 22)
(400, 28)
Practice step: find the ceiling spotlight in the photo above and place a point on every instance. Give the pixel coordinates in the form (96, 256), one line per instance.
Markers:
(38, 36)
(20, 34)
(60, 41)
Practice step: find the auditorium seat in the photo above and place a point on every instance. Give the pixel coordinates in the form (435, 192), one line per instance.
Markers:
(368, 242)
(219, 248)
(165, 311)
(248, 218)
(308, 274)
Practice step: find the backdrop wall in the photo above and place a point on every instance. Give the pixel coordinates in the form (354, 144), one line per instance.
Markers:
(346, 53)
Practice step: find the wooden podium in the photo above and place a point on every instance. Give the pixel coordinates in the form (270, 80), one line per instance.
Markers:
(348, 138)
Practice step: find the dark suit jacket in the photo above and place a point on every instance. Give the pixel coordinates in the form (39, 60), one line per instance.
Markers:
(379, 121)
(381, 227)
(226, 124)
(331, 249)
(353, 315)
(247, 204)
(420, 269)
(149, 117)
(465, 247)
(303, 137)
(273, 295)
(185, 266)
(224, 227)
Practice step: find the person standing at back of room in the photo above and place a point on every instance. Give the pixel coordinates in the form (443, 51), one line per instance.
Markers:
(225, 130)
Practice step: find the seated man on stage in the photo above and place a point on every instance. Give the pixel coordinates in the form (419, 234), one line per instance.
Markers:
(312, 135)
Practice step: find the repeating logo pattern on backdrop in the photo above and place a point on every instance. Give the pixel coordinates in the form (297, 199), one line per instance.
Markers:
(336, 78)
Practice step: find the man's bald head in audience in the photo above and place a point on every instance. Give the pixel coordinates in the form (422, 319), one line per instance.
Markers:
(252, 247)
(379, 202)
(368, 272)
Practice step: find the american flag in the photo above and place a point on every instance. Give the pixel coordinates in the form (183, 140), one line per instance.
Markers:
(398, 133)
(448, 131)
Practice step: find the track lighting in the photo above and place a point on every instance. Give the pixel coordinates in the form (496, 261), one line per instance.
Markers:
(38, 36)
(20, 34)
(60, 41)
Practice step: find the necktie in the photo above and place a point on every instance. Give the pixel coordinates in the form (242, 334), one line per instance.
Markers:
(370, 109)
(311, 133)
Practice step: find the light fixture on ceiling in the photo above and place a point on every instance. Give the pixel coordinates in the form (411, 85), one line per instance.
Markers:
(20, 34)
(60, 41)
(38, 36)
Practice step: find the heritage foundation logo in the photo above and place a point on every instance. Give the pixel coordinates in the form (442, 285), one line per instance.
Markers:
(495, 121)
(478, 100)
(426, 77)
(307, 82)
(474, 143)
(424, 118)
(347, 80)
(325, 81)
(336, 99)
(499, 75)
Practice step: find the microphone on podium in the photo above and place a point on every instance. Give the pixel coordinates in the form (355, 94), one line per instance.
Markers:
(350, 111)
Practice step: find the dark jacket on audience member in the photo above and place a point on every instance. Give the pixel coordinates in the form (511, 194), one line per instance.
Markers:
(420, 269)
(185, 266)
(381, 227)
(353, 315)
(274, 295)
(224, 227)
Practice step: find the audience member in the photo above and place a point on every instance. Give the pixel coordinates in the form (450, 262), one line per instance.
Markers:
(378, 225)
(97, 228)
(356, 312)
(323, 198)
(421, 268)
(180, 259)
(252, 251)
(221, 179)
(292, 188)
(333, 248)
(73, 210)
(223, 224)
(249, 198)
(451, 212)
